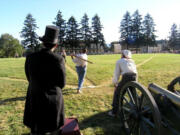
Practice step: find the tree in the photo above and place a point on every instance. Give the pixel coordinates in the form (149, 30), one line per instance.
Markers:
(72, 32)
(60, 23)
(85, 30)
(137, 29)
(28, 33)
(173, 39)
(10, 47)
(148, 31)
(126, 30)
(98, 37)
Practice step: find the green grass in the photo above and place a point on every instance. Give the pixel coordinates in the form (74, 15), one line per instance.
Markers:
(12, 67)
(162, 69)
(92, 106)
(103, 68)
(99, 72)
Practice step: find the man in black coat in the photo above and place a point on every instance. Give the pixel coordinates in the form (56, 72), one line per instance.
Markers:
(45, 72)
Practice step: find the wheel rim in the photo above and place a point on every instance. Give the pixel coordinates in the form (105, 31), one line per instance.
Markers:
(175, 82)
(139, 112)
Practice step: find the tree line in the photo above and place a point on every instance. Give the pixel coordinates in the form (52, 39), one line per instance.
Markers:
(71, 35)
(135, 31)
(174, 38)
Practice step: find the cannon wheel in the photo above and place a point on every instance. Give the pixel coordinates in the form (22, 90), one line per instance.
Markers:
(172, 84)
(139, 112)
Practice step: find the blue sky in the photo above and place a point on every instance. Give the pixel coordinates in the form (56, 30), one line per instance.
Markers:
(13, 13)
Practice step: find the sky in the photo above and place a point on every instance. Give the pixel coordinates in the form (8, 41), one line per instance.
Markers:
(111, 12)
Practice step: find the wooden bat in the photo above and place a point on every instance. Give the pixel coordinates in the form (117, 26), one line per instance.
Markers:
(83, 59)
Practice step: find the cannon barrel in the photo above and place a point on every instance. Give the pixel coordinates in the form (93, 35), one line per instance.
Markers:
(170, 95)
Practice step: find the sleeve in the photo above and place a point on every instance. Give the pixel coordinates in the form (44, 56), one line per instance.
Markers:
(27, 68)
(75, 60)
(117, 73)
(61, 73)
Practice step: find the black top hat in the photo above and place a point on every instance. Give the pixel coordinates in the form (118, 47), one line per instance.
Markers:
(51, 35)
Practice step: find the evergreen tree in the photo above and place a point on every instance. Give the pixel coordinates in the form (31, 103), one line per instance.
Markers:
(137, 29)
(148, 31)
(173, 39)
(28, 33)
(10, 46)
(98, 37)
(126, 30)
(60, 23)
(85, 30)
(72, 32)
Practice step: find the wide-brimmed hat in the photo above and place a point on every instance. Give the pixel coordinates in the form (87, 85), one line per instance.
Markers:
(127, 54)
(51, 35)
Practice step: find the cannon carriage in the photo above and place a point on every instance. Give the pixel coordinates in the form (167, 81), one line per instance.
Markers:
(152, 111)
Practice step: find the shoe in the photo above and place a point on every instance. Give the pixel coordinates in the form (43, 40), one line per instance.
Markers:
(110, 113)
(79, 91)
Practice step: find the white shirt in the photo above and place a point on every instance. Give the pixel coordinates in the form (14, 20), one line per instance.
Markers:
(123, 66)
(80, 62)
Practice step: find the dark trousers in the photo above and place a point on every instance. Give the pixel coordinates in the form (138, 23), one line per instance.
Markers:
(125, 78)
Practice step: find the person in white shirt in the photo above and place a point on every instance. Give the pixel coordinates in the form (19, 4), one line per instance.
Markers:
(81, 67)
(127, 68)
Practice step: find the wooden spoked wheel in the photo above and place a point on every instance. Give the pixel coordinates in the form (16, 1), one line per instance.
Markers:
(139, 112)
(174, 86)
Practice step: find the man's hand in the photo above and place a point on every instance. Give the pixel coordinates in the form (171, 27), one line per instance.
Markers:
(115, 85)
(72, 55)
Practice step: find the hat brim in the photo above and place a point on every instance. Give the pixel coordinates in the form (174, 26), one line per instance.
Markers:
(44, 40)
(41, 38)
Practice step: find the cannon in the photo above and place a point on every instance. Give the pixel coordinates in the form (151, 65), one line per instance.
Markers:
(152, 111)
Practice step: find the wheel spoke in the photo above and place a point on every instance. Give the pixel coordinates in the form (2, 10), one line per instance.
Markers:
(136, 96)
(128, 114)
(126, 109)
(127, 102)
(145, 128)
(135, 129)
(130, 126)
(146, 110)
(148, 122)
(141, 101)
(130, 95)
(141, 130)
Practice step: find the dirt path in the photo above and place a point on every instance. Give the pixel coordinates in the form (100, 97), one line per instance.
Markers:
(142, 63)
(13, 79)
(107, 83)
(22, 80)
(87, 84)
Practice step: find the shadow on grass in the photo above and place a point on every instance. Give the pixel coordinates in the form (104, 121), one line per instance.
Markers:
(2, 102)
(109, 125)
(65, 92)
(69, 91)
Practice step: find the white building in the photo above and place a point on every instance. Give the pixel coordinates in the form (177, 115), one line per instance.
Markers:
(117, 47)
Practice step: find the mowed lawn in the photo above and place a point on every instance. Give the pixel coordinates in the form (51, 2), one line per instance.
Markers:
(92, 106)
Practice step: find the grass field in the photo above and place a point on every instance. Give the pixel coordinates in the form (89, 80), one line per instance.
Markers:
(92, 106)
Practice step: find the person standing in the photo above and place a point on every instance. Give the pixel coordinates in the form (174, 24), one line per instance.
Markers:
(127, 68)
(45, 72)
(63, 54)
(81, 67)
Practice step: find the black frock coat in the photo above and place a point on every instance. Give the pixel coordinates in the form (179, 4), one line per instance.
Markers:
(44, 107)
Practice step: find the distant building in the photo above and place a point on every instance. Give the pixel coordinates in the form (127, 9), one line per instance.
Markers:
(117, 47)
(150, 49)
